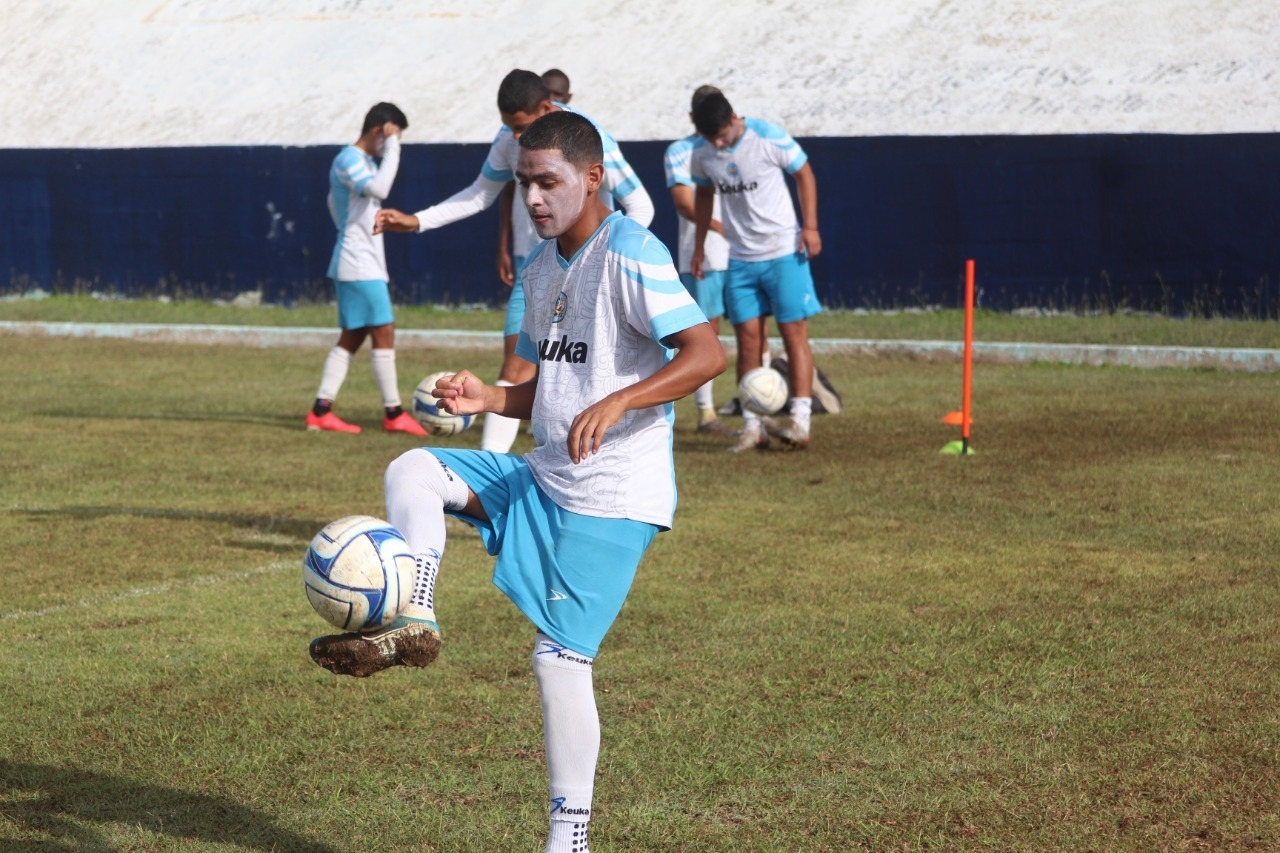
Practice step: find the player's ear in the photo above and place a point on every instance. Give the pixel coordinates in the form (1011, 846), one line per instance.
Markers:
(595, 177)
(545, 107)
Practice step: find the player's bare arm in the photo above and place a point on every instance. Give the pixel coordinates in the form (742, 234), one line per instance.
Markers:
(392, 221)
(506, 266)
(682, 196)
(699, 358)
(704, 199)
(807, 193)
(464, 393)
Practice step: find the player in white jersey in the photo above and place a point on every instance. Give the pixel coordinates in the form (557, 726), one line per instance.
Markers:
(708, 291)
(570, 520)
(743, 162)
(357, 186)
(522, 98)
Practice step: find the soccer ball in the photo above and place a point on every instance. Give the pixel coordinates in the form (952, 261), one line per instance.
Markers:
(358, 573)
(427, 411)
(763, 391)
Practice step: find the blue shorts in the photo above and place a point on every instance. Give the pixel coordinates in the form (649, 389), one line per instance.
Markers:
(569, 573)
(363, 303)
(708, 293)
(782, 287)
(515, 303)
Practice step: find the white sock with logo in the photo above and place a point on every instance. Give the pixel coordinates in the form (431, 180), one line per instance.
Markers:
(334, 374)
(384, 371)
(571, 733)
(419, 488)
(499, 432)
(801, 410)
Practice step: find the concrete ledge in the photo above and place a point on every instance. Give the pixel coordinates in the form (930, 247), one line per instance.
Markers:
(1096, 355)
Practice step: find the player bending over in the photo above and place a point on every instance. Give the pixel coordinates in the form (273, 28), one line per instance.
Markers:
(357, 187)
(569, 520)
(742, 160)
(522, 98)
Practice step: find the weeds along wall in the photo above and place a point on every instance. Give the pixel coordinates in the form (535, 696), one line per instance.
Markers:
(1168, 223)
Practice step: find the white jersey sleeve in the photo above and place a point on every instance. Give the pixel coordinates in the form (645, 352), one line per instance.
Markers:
(499, 168)
(715, 250)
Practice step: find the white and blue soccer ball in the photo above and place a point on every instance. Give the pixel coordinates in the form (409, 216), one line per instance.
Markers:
(427, 411)
(358, 573)
(763, 391)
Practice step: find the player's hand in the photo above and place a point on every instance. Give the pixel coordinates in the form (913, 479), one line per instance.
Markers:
(811, 242)
(391, 129)
(695, 263)
(393, 221)
(463, 393)
(506, 268)
(586, 433)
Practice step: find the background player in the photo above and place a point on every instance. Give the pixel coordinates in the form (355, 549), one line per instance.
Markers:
(743, 162)
(557, 85)
(522, 98)
(708, 291)
(570, 520)
(357, 187)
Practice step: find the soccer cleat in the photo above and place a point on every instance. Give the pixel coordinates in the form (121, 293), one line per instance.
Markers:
(733, 407)
(403, 422)
(793, 436)
(752, 437)
(405, 642)
(717, 427)
(329, 422)
(825, 396)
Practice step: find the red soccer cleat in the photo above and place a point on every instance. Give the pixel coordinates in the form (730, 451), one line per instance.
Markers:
(403, 422)
(330, 422)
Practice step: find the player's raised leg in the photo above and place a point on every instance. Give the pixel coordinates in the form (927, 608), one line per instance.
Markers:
(419, 490)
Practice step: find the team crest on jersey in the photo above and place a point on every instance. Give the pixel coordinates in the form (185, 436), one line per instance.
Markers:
(732, 168)
(561, 306)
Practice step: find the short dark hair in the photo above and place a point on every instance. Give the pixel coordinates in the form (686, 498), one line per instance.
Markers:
(712, 114)
(574, 136)
(382, 113)
(700, 94)
(557, 75)
(520, 92)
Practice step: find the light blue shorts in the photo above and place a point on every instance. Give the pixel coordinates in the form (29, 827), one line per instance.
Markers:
(782, 287)
(569, 573)
(515, 303)
(708, 293)
(363, 303)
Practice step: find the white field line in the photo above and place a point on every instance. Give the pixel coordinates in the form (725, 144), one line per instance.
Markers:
(149, 591)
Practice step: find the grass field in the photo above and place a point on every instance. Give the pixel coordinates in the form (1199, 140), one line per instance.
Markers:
(1065, 642)
(1115, 329)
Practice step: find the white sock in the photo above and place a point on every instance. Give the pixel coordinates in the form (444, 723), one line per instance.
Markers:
(750, 420)
(702, 397)
(334, 374)
(384, 371)
(801, 411)
(766, 358)
(499, 432)
(419, 488)
(571, 733)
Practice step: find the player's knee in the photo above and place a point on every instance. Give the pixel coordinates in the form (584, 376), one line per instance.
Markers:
(413, 469)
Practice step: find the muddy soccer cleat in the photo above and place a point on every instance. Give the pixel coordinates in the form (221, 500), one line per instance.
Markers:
(405, 642)
(403, 422)
(793, 436)
(752, 437)
(329, 422)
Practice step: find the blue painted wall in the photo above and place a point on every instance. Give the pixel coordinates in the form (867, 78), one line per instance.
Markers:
(1154, 222)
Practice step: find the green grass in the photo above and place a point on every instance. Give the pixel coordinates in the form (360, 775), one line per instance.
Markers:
(1118, 329)
(1065, 642)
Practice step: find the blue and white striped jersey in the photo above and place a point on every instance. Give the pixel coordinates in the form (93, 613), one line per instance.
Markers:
(759, 217)
(715, 249)
(594, 324)
(357, 187)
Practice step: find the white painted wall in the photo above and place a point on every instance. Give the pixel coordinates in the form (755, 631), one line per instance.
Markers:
(118, 73)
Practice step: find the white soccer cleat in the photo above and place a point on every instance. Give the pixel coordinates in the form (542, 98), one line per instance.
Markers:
(752, 437)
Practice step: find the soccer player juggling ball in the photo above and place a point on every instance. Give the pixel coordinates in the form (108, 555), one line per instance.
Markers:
(357, 187)
(616, 340)
(743, 160)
